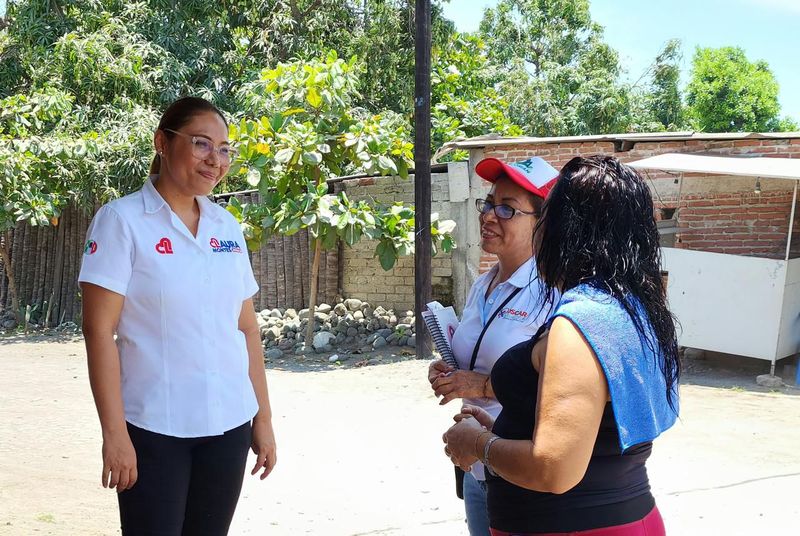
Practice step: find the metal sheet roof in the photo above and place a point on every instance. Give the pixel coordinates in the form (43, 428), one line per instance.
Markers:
(493, 140)
(765, 167)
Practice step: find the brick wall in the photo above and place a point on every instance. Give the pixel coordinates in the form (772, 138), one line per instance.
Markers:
(718, 214)
(361, 274)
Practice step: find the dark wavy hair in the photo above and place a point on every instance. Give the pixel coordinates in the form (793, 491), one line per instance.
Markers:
(177, 115)
(598, 227)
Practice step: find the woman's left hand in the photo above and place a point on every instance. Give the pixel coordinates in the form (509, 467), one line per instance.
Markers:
(263, 446)
(460, 384)
(460, 442)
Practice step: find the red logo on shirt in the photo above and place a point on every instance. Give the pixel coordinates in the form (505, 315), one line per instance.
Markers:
(90, 248)
(514, 314)
(164, 247)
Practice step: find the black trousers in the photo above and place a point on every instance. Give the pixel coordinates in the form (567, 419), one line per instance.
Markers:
(186, 486)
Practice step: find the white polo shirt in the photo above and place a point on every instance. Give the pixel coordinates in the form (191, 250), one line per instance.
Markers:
(518, 321)
(184, 362)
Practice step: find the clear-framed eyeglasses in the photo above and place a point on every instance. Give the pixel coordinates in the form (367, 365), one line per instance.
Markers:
(203, 148)
(504, 212)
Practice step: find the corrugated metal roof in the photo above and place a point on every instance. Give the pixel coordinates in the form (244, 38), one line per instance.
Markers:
(765, 167)
(495, 141)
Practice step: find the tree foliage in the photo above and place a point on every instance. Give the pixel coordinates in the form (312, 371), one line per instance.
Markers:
(561, 78)
(729, 93)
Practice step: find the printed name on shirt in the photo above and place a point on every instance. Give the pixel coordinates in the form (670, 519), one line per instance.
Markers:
(224, 246)
(90, 248)
(514, 314)
(164, 246)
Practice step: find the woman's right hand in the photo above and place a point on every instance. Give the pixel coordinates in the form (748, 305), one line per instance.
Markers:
(480, 415)
(438, 368)
(119, 462)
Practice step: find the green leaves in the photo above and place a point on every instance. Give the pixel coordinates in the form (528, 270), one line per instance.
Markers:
(728, 93)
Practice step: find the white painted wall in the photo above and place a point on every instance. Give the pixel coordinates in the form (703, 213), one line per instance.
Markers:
(789, 337)
(726, 303)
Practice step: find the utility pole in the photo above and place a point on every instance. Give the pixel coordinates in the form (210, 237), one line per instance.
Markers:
(422, 173)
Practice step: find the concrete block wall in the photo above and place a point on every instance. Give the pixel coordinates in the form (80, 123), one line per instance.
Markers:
(717, 214)
(361, 274)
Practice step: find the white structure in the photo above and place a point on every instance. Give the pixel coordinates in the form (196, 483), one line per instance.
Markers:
(729, 303)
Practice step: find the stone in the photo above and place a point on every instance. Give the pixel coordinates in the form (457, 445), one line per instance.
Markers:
(374, 361)
(323, 308)
(290, 313)
(261, 322)
(340, 309)
(371, 338)
(353, 304)
(385, 332)
(367, 310)
(321, 339)
(404, 327)
(352, 332)
(358, 315)
(290, 335)
(392, 320)
(275, 313)
(379, 311)
(768, 380)
(302, 314)
(303, 350)
(349, 340)
(274, 353)
(328, 348)
(362, 330)
(340, 338)
(412, 341)
(694, 353)
(393, 337)
(379, 342)
(286, 344)
(402, 341)
(409, 313)
(334, 358)
(321, 317)
(264, 312)
(272, 333)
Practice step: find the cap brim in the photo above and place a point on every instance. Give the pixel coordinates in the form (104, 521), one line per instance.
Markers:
(491, 169)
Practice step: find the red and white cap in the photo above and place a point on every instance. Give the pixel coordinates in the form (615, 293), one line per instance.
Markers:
(533, 174)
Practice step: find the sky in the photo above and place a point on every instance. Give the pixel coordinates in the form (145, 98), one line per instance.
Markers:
(766, 29)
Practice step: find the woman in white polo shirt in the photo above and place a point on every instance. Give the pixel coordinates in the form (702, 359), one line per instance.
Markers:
(504, 306)
(180, 391)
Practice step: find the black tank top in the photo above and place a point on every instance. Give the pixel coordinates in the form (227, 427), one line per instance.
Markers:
(615, 489)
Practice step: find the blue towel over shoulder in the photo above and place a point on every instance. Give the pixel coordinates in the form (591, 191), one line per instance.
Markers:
(635, 381)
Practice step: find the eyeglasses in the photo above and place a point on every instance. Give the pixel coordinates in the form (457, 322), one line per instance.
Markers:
(504, 212)
(202, 148)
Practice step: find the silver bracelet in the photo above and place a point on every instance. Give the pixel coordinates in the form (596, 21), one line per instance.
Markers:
(486, 447)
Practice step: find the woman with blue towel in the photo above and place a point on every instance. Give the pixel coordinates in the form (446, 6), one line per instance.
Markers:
(584, 399)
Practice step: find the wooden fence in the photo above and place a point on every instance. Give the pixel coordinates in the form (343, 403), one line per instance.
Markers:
(46, 262)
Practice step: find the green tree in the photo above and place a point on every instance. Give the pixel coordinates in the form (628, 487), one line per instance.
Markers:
(729, 93)
(561, 78)
(656, 99)
(464, 101)
(310, 131)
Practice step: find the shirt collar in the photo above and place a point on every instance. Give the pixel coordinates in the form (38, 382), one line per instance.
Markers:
(524, 274)
(153, 202)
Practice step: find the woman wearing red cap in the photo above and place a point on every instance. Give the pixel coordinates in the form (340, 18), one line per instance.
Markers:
(504, 306)
(584, 399)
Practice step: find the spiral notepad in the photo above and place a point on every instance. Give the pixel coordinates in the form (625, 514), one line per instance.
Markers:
(442, 323)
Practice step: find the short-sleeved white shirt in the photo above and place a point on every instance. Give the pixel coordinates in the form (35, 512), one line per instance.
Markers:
(184, 362)
(518, 321)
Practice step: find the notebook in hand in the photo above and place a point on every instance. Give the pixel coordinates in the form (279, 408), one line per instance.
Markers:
(442, 323)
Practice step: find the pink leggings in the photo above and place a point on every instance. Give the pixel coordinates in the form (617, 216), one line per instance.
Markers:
(649, 525)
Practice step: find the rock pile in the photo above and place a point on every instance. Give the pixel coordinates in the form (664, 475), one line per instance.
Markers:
(350, 324)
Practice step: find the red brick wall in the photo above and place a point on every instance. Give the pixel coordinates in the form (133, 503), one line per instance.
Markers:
(737, 222)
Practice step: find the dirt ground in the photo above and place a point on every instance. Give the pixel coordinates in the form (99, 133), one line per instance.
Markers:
(359, 451)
